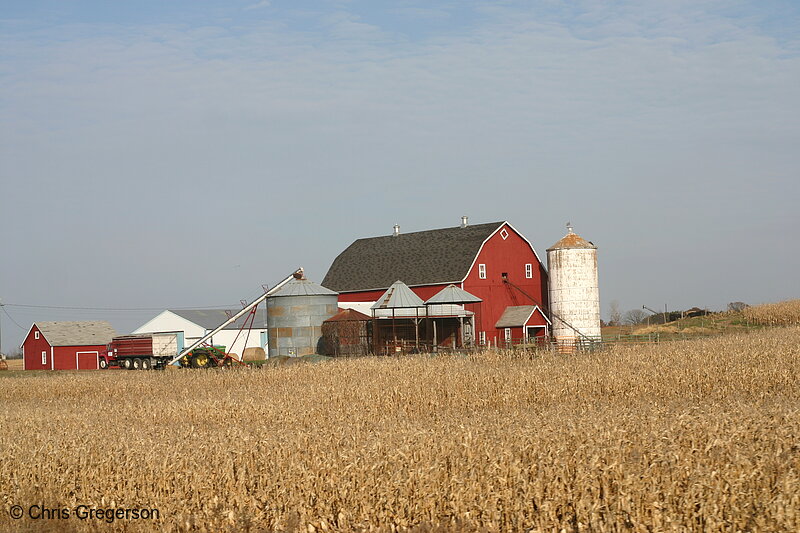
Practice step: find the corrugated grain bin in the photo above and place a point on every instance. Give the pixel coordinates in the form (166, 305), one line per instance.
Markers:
(295, 314)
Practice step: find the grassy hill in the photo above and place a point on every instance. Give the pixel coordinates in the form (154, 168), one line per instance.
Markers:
(777, 314)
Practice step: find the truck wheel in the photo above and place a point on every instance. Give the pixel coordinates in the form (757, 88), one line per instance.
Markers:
(103, 364)
(146, 364)
(200, 360)
(127, 365)
(137, 364)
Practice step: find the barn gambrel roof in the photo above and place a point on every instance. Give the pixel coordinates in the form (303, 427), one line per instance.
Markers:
(421, 258)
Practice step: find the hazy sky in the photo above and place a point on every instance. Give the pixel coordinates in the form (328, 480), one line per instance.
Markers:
(179, 154)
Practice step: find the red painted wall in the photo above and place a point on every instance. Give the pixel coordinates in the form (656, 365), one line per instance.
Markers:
(63, 357)
(33, 349)
(66, 357)
(509, 255)
(423, 291)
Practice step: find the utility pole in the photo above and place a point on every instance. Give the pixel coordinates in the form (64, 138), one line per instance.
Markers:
(648, 309)
(1, 325)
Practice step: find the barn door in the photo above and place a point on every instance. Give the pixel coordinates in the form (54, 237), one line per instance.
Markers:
(87, 360)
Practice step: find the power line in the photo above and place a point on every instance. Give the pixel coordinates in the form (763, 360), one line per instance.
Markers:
(3, 307)
(119, 308)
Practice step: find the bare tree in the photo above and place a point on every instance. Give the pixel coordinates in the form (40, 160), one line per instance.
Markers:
(737, 306)
(634, 316)
(614, 314)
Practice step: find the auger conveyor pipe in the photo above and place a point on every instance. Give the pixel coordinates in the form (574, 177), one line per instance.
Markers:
(237, 316)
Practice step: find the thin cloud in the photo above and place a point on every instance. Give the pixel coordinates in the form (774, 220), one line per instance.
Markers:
(258, 5)
(634, 120)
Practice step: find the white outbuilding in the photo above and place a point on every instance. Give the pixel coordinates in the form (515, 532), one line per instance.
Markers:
(191, 324)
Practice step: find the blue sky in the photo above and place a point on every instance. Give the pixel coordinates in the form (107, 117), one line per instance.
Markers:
(177, 154)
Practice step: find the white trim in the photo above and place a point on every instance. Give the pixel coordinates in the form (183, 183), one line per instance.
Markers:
(529, 244)
(96, 354)
(528, 270)
(525, 331)
(481, 270)
(44, 357)
(36, 335)
(535, 307)
(52, 364)
(28, 335)
(504, 223)
(24, 361)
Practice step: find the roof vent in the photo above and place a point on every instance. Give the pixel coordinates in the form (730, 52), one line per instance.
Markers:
(569, 227)
(464, 221)
(396, 230)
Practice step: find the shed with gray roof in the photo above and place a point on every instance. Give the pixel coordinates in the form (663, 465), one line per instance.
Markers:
(66, 345)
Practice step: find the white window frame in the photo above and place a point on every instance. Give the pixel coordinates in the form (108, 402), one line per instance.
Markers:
(482, 338)
(528, 271)
(481, 271)
(44, 357)
(507, 335)
(36, 335)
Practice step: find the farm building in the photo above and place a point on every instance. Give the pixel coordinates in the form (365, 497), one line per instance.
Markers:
(494, 262)
(191, 324)
(65, 345)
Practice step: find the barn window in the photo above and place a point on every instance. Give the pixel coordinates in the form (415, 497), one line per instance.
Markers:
(482, 271)
(528, 270)
(36, 335)
(44, 358)
(504, 234)
(507, 333)
(482, 338)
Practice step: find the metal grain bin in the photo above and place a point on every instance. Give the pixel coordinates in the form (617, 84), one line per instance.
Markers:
(295, 314)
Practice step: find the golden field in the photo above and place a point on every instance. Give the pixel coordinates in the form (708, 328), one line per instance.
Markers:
(699, 435)
(785, 313)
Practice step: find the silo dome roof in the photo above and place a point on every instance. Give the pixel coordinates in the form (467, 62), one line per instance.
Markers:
(572, 240)
(302, 287)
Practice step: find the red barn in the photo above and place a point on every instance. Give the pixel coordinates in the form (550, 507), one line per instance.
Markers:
(493, 261)
(65, 345)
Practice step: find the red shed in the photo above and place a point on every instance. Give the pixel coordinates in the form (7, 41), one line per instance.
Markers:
(65, 345)
(493, 261)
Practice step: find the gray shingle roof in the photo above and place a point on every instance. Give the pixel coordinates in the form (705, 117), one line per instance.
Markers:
(419, 258)
(398, 296)
(515, 316)
(453, 295)
(93, 333)
(212, 318)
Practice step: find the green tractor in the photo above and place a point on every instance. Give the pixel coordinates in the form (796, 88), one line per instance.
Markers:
(206, 357)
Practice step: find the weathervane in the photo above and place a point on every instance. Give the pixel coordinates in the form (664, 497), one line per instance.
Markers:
(569, 227)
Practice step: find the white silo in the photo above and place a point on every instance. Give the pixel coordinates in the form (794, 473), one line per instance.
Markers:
(574, 292)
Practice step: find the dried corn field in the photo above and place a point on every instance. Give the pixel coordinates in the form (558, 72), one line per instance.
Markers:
(700, 435)
(785, 313)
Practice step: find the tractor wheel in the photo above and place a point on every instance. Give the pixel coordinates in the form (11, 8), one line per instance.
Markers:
(137, 364)
(146, 365)
(200, 360)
